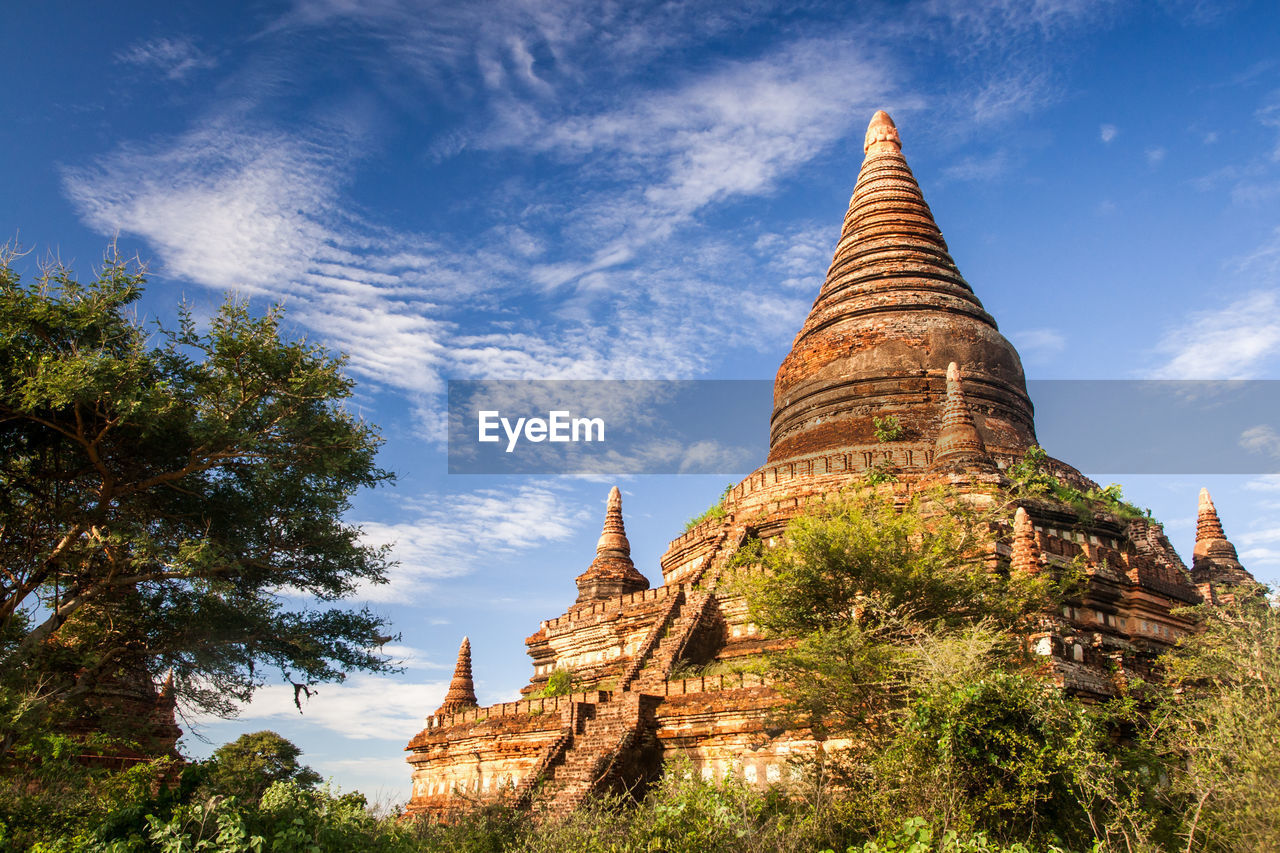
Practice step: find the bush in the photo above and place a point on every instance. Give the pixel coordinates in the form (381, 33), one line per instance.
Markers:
(887, 429)
(559, 683)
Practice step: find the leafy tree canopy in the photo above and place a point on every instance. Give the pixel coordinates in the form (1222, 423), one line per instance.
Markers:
(251, 763)
(167, 498)
(901, 648)
(1217, 722)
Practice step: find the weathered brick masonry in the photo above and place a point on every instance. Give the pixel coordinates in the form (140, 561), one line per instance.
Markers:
(895, 330)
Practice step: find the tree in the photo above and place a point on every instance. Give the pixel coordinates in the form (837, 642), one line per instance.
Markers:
(861, 580)
(166, 499)
(901, 643)
(1217, 724)
(248, 765)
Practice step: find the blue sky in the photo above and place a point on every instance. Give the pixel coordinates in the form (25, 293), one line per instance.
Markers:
(573, 189)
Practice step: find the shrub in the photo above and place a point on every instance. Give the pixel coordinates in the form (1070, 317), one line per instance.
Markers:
(715, 511)
(559, 683)
(887, 429)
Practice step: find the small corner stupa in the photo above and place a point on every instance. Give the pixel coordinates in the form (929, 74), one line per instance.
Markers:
(896, 336)
(462, 690)
(611, 573)
(959, 445)
(1214, 562)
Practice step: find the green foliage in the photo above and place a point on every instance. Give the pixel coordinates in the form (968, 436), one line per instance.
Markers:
(559, 683)
(1218, 722)
(888, 428)
(290, 818)
(247, 766)
(902, 644)
(158, 490)
(861, 558)
(880, 473)
(714, 512)
(49, 795)
(916, 836)
(1031, 478)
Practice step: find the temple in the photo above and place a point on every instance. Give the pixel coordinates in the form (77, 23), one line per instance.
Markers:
(898, 368)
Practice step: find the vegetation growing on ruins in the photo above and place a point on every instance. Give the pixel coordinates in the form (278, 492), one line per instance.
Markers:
(909, 664)
(559, 683)
(714, 512)
(1030, 477)
(887, 428)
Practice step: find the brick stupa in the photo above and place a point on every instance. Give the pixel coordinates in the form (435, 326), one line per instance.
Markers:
(895, 331)
(611, 573)
(462, 690)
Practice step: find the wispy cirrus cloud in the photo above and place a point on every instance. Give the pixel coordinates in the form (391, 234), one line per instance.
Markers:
(175, 57)
(364, 707)
(1039, 344)
(260, 214)
(1239, 341)
(264, 213)
(993, 22)
(453, 535)
(985, 167)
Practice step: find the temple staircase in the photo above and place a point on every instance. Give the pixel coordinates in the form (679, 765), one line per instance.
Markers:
(671, 648)
(587, 754)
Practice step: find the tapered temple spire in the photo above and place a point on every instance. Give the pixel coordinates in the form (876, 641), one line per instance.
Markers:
(1208, 525)
(881, 131)
(462, 690)
(611, 573)
(893, 312)
(1214, 562)
(1025, 558)
(959, 443)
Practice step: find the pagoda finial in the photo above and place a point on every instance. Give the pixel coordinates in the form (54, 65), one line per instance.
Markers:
(611, 573)
(462, 690)
(959, 443)
(1025, 559)
(613, 539)
(881, 129)
(1208, 526)
(168, 692)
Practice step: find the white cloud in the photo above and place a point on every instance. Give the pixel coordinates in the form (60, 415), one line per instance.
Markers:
(1107, 132)
(175, 57)
(409, 658)
(259, 214)
(1239, 341)
(1261, 439)
(1011, 94)
(1155, 156)
(453, 535)
(1255, 558)
(1258, 537)
(801, 256)
(978, 168)
(364, 707)
(230, 206)
(1039, 344)
(1264, 483)
(731, 132)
